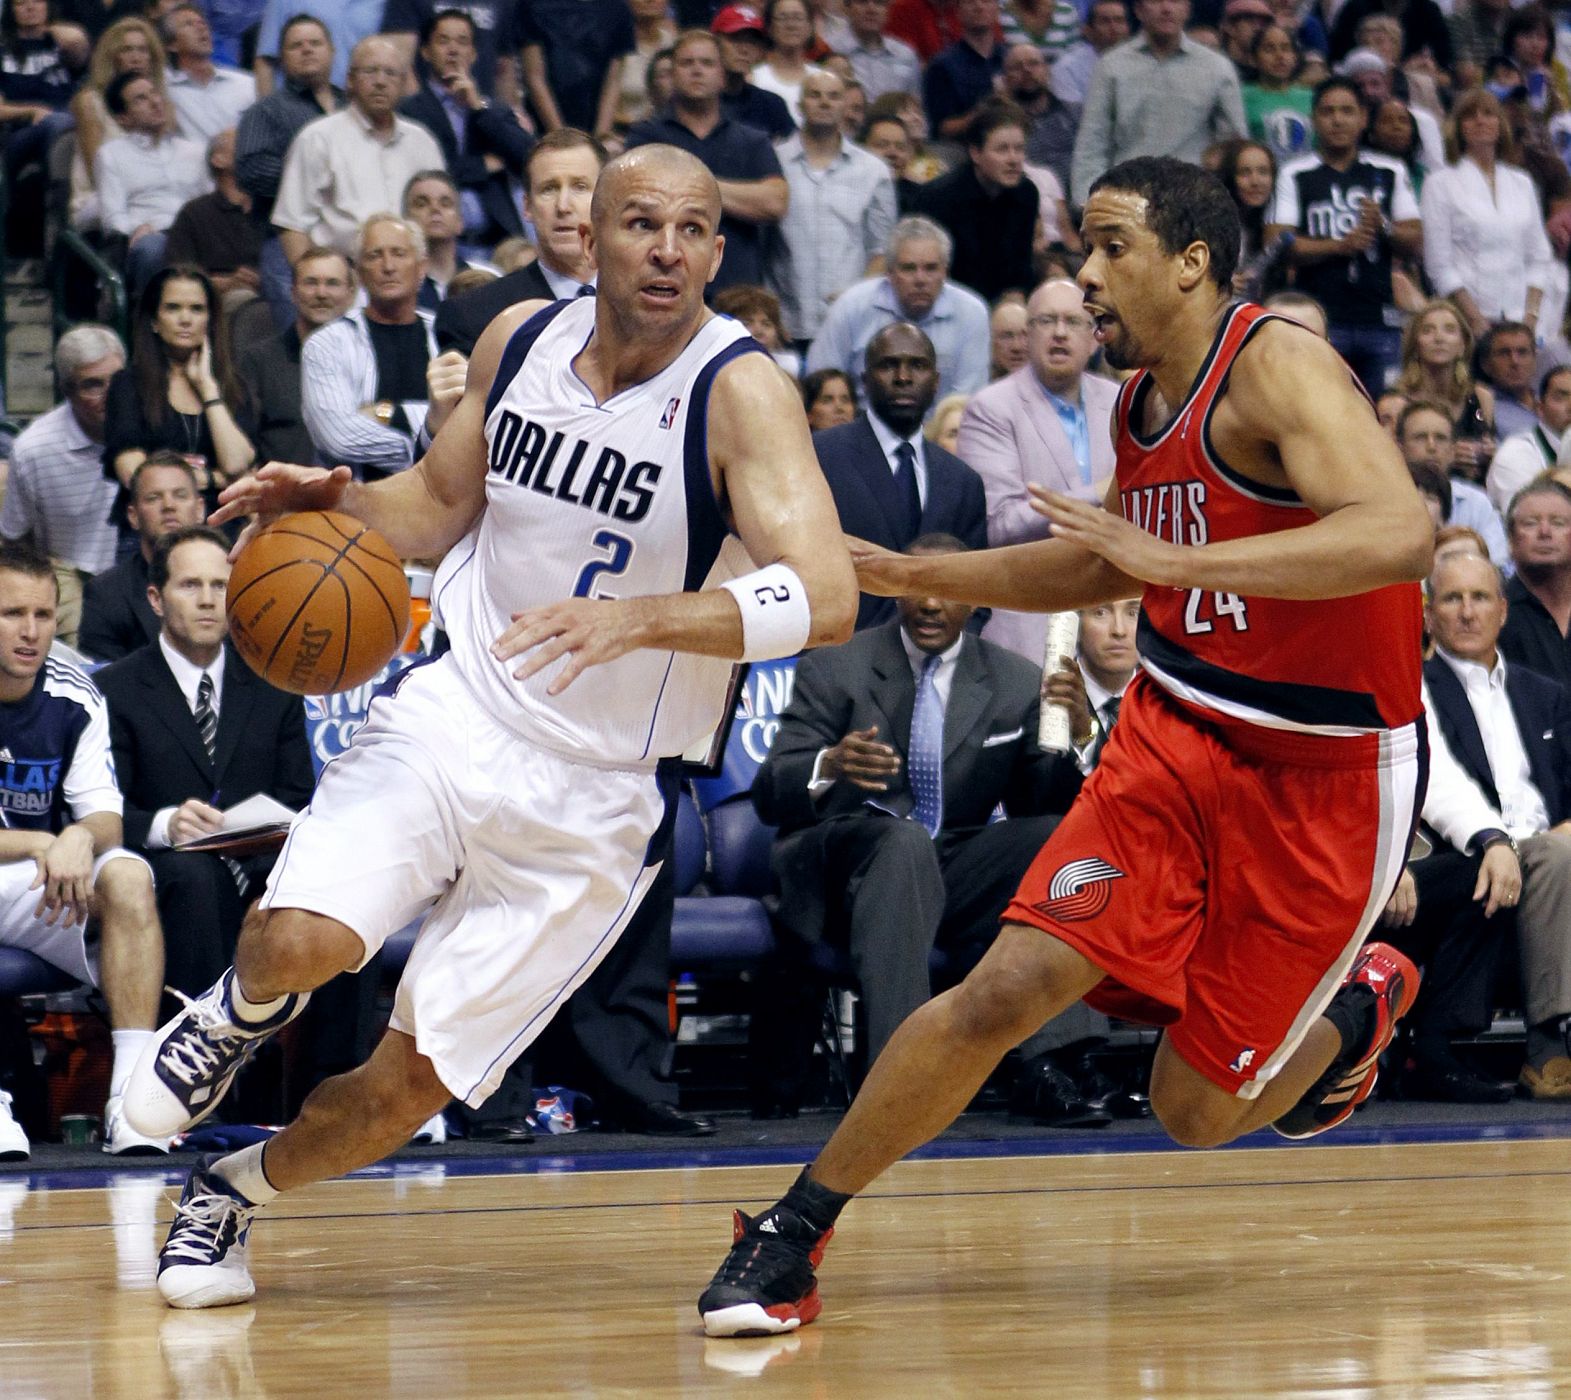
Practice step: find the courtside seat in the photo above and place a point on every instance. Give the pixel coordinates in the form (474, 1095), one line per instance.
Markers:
(24, 974)
(728, 930)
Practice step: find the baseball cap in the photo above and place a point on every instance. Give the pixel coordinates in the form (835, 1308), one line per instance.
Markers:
(1247, 9)
(737, 19)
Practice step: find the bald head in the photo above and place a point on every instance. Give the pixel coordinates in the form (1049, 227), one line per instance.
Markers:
(1059, 338)
(647, 169)
(376, 77)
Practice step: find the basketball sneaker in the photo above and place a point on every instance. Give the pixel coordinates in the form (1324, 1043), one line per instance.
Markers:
(122, 1140)
(203, 1261)
(766, 1284)
(185, 1072)
(1379, 988)
(14, 1146)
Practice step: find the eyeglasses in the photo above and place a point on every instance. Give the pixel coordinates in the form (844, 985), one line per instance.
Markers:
(90, 386)
(1069, 323)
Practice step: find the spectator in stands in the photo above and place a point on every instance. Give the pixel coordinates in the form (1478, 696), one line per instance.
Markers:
(881, 63)
(887, 138)
(66, 876)
(961, 78)
(1107, 661)
(1529, 42)
(889, 483)
(915, 289)
(988, 205)
(1509, 730)
(1484, 240)
(127, 46)
(739, 30)
(1477, 30)
(324, 288)
(1413, 79)
(1538, 522)
(1300, 307)
(788, 25)
(942, 428)
(215, 231)
(1437, 351)
(572, 53)
(1393, 131)
(1106, 26)
(1240, 29)
(653, 32)
(1050, 123)
(431, 203)
(1376, 79)
(758, 309)
(1160, 94)
(41, 62)
(208, 97)
(1052, 27)
(195, 731)
(891, 756)
(344, 168)
(753, 189)
(144, 175)
(559, 182)
(1248, 169)
(1524, 457)
(1507, 356)
(363, 389)
(1009, 348)
(1426, 437)
(482, 143)
(660, 81)
(493, 36)
(1048, 424)
(840, 211)
(1348, 212)
(56, 498)
(345, 23)
(116, 615)
(1276, 103)
(1423, 28)
(829, 395)
(269, 127)
(928, 26)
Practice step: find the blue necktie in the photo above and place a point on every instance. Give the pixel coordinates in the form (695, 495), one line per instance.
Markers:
(926, 759)
(905, 479)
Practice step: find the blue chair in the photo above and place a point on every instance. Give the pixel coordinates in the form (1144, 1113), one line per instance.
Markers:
(728, 930)
(24, 974)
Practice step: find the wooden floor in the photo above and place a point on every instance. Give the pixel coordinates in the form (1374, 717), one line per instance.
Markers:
(1435, 1271)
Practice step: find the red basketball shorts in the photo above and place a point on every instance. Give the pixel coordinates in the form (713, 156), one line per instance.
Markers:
(1224, 875)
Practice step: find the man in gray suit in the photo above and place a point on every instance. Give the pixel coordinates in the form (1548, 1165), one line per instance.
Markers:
(1048, 423)
(891, 757)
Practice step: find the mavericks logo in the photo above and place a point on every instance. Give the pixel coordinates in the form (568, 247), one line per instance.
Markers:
(1079, 890)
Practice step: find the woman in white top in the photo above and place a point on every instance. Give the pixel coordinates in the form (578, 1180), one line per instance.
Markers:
(1484, 240)
(789, 25)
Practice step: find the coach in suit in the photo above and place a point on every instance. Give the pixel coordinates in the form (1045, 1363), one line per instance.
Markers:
(1508, 731)
(1046, 424)
(193, 730)
(559, 182)
(891, 757)
(890, 484)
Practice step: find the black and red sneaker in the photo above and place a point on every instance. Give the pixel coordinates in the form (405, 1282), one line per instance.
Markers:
(766, 1284)
(1384, 974)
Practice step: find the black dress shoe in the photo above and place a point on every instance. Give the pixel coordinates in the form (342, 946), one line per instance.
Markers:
(663, 1120)
(1454, 1084)
(1101, 1090)
(1044, 1094)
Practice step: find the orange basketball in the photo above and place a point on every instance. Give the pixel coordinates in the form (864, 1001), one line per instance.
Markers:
(318, 602)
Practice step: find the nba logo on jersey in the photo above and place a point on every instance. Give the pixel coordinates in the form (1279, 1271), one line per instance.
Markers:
(669, 416)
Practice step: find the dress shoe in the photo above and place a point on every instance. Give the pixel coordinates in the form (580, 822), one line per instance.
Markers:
(663, 1120)
(1553, 1081)
(1455, 1083)
(1044, 1094)
(1102, 1090)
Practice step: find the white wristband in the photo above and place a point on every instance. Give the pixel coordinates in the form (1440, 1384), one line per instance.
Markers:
(776, 618)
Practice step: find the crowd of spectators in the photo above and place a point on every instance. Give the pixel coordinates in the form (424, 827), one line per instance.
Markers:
(317, 208)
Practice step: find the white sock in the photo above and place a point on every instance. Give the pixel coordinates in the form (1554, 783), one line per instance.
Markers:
(243, 1170)
(252, 1012)
(128, 1050)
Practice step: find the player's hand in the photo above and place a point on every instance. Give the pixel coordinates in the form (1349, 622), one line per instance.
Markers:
(445, 377)
(65, 874)
(588, 631)
(1067, 687)
(192, 819)
(1402, 907)
(275, 490)
(1499, 880)
(1125, 546)
(879, 571)
(862, 761)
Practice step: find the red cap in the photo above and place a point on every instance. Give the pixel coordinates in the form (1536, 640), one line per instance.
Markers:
(737, 19)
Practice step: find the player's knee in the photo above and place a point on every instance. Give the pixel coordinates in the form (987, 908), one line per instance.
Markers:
(294, 950)
(403, 1091)
(123, 886)
(1191, 1122)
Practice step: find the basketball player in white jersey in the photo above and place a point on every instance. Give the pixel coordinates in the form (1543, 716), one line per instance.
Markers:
(586, 486)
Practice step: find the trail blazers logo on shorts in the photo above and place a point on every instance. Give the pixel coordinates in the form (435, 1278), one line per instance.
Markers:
(1079, 890)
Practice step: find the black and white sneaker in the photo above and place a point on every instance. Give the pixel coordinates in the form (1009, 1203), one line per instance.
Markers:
(203, 1262)
(192, 1060)
(766, 1284)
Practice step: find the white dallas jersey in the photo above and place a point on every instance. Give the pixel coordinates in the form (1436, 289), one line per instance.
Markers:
(591, 500)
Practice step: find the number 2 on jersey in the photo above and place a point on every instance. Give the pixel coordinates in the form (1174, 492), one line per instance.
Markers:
(1223, 605)
(618, 554)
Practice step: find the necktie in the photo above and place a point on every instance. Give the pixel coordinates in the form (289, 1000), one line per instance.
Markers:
(1109, 717)
(905, 479)
(926, 759)
(207, 726)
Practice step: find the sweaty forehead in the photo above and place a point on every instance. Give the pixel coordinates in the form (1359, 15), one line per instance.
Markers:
(1109, 211)
(661, 185)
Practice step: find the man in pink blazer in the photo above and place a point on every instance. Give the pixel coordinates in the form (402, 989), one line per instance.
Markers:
(1050, 423)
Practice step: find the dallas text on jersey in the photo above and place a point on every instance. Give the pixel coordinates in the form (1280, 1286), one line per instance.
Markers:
(525, 454)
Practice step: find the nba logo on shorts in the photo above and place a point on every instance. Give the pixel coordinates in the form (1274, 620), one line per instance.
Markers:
(1242, 1061)
(669, 416)
(1080, 890)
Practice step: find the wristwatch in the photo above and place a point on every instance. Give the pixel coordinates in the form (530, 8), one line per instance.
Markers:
(384, 412)
(1493, 836)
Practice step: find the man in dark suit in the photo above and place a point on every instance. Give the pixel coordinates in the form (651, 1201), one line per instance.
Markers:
(194, 730)
(559, 181)
(1498, 800)
(116, 615)
(890, 484)
(891, 757)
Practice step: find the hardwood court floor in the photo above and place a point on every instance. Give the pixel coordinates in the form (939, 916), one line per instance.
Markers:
(1408, 1270)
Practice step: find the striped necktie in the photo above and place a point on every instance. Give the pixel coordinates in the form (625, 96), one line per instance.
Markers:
(926, 759)
(207, 726)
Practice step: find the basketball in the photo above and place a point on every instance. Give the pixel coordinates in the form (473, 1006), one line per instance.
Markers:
(317, 603)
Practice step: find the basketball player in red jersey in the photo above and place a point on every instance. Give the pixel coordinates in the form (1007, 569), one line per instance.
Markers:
(1252, 811)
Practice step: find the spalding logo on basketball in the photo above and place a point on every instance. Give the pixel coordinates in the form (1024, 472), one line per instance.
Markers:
(1079, 890)
(317, 603)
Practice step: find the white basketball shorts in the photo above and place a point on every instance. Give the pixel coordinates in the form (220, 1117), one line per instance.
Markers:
(74, 948)
(530, 864)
